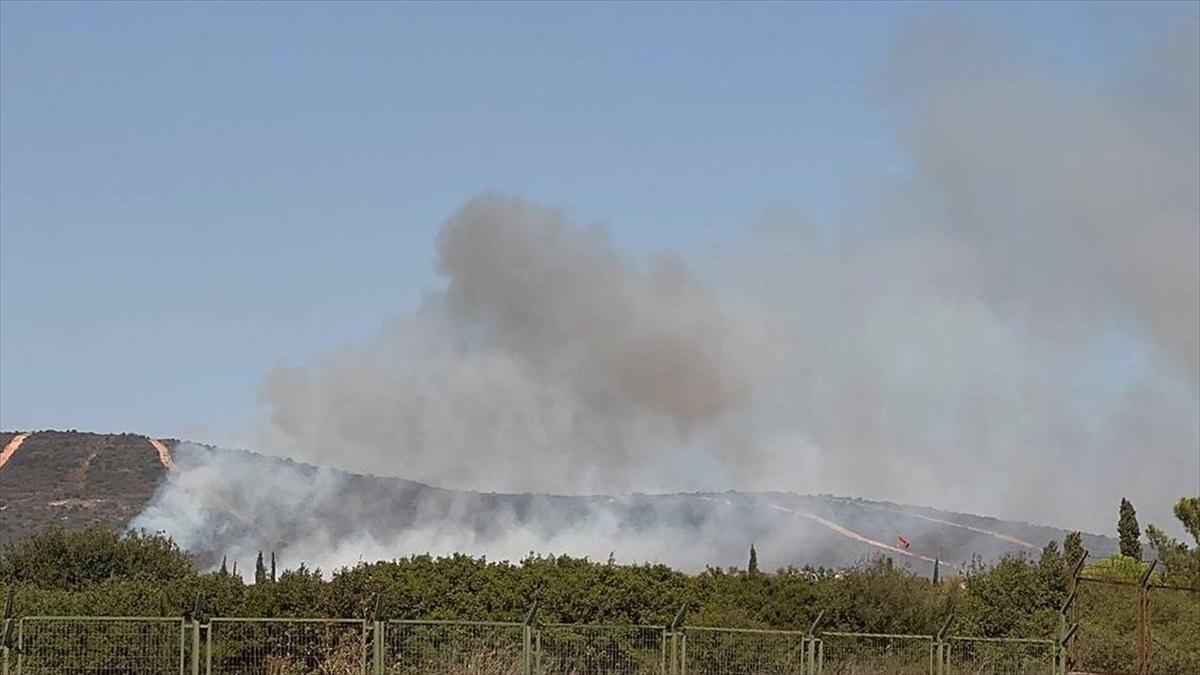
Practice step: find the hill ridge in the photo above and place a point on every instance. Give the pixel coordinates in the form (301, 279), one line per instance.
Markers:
(73, 479)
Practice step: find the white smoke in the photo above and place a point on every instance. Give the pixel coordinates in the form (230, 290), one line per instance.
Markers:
(1015, 328)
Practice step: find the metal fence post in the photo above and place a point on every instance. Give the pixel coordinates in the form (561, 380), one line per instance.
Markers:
(537, 652)
(1072, 605)
(811, 636)
(678, 647)
(378, 647)
(940, 647)
(378, 636)
(195, 660)
(527, 638)
(1063, 652)
(1144, 621)
(194, 615)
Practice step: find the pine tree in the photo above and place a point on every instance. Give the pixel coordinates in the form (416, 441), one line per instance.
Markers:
(272, 566)
(1187, 510)
(753, 566)
(1128, 531)
(260, 570)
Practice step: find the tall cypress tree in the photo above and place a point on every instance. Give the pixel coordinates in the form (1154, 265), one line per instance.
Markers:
(272, 566)
(1128, 531)
(752, 568)
(1073, 550)
(260, 570)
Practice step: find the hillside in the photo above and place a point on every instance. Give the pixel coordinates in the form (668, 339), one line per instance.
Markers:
(221, 502)
(74, 479)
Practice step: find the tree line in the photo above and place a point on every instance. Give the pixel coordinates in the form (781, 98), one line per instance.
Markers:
(98, 572)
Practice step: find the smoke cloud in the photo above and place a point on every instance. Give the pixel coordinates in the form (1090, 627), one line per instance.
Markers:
(548, 362)
(1013, 328)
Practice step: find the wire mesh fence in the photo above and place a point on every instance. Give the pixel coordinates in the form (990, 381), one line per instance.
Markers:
(574, 649)
(999, 656)
(875, 654)
(245, 646)
(733, 651)
(453, 648)
(251, 646)
(1174, 630)
(1107, 641)
(54, 645)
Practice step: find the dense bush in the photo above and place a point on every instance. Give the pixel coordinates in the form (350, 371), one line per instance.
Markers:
(95, 572)
(100, 573)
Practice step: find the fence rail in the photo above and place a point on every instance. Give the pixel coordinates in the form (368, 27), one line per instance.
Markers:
(258, 646)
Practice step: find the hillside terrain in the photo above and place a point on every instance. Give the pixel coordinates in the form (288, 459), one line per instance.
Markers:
(225, 502)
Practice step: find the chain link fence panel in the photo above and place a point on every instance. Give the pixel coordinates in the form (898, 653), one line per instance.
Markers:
(734, 651)
(999, 656)
(91, 645)
(246, 646)
(1107, 641)
(453, 648)
(1174, 615)
(573, 649)
(876, 654)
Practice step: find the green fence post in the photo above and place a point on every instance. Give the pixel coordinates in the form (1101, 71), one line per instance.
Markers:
(378, 636)
(195, 646)
(197, 607)
(379, 647)
(678, 646)
(537, 652)
(527, 638)
(941, 648)
(811, 637)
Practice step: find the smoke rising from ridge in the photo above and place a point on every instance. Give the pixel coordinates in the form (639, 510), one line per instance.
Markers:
(1014, 328)
(548, 362)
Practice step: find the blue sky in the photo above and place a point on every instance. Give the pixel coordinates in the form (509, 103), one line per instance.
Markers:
(193, 194)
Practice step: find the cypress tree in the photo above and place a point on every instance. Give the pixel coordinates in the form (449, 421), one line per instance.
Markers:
(272, 566)
(1128, 531)
(753, 566)
(224, 567)
(260, 570)
(1073, 550)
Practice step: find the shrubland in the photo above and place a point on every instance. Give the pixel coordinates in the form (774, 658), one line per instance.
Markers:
(98, 572)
